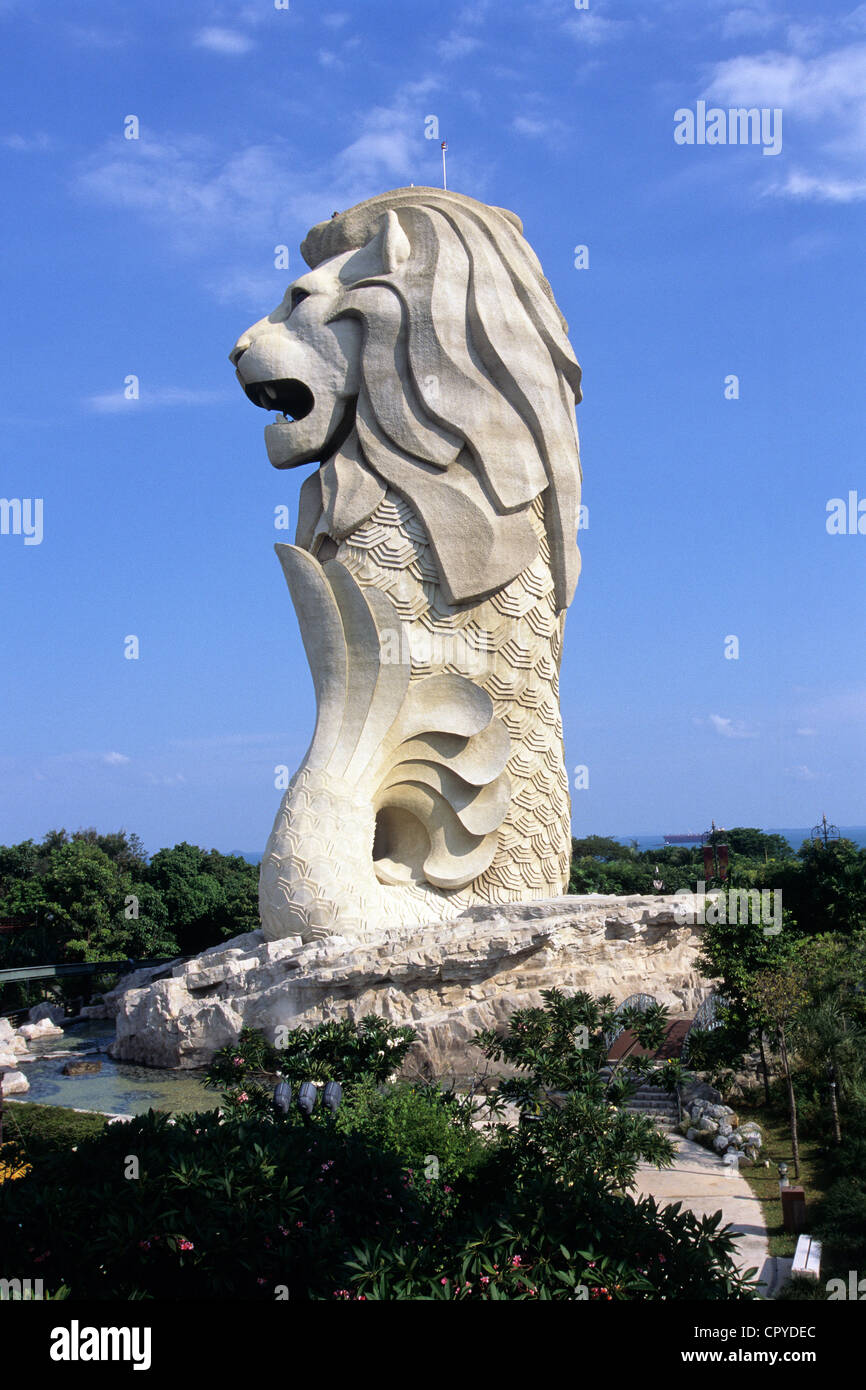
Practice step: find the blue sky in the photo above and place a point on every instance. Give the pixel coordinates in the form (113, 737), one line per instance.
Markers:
(707, 515)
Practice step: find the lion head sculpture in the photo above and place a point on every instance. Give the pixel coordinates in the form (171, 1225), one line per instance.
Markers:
(423, 351)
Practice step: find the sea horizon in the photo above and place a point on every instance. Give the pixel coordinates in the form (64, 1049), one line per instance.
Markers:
(656, 840)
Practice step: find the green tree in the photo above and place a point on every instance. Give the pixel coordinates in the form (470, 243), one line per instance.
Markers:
(732, 954)
(750, 843)
(599, 847)
(85, 891)
(569, 1112)
(779, 998)
(208, 896)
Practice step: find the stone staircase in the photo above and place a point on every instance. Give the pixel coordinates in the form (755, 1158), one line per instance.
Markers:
(651, 1101)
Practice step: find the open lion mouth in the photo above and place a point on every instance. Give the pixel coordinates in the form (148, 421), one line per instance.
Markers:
(288, 396)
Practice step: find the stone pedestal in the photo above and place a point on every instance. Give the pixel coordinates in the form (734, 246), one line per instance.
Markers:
(447, 980)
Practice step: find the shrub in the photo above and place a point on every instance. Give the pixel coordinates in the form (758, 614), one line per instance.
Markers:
(250, 1208)
(416, 1122)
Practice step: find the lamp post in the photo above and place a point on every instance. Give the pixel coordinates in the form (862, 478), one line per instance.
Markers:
(282, 1098)
(308, 1094)
(332, 1096)
(834, 1105)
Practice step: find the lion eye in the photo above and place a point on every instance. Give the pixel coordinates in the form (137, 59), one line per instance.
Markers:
(298, 297)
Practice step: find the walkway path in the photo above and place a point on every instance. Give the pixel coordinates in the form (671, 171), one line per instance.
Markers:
(698, 1179)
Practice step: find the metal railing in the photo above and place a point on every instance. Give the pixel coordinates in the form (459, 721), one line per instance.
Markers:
(634, 1001)
(71, 969)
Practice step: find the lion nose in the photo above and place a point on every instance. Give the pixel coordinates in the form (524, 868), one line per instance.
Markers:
(238, 350)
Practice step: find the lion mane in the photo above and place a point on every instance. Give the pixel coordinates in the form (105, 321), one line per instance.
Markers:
(468, 388)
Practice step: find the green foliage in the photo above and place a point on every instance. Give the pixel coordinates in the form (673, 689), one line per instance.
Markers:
(569, 1113)
(92, 896)
(599, 847)
(31, 1130)
(230, 1208)
(749, 843)
(417, 1122)
(399, 1196)
(251, 1208)
(823, 887)
(802, 1289)
(208, 896)
(840, 1218)
(245, 1071)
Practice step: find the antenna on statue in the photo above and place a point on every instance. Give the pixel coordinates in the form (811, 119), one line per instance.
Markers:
(444, 175)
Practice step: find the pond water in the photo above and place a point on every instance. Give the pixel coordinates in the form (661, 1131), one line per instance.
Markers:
(119, 1088)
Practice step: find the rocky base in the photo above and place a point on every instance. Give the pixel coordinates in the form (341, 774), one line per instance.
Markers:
(447, 980)
(717, 1127)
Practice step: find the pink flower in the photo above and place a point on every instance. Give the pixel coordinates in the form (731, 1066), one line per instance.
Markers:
(184, 1244)
(443, 1280)
(516, 1260)
(242, 1097)
(144, 1245)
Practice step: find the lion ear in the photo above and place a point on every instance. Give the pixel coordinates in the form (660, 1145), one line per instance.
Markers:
(395, 243)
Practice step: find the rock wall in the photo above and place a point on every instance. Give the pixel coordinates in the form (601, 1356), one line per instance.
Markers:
(448, 980)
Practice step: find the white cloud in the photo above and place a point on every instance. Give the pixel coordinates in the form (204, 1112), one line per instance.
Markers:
(832, 85)
(729, 728)
(593, 29)
(27, 144)
(115, 759)
(536, 127)
(819, 188)
(844, 707)
(802, 773)
(218, 40)
(743, 22)
(113, 402)
(336, 20)
(457, 45)
(94, 36)
(241, 287)
(825, 97)
(806, 733)
(205, 199)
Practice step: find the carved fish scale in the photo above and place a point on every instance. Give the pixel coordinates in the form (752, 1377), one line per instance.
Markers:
(508, 646)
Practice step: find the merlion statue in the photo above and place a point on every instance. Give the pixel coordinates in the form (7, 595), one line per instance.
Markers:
(422, 363)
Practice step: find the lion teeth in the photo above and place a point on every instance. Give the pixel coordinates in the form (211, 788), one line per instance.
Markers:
(270, 393)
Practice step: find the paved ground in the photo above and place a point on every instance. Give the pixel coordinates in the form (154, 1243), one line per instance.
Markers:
(700, 1181)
